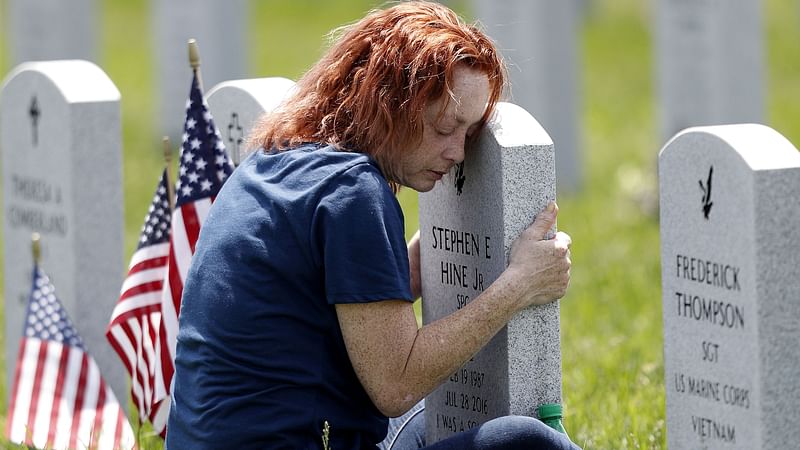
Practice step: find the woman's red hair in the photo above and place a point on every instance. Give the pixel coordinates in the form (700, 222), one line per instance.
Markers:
(368, 92)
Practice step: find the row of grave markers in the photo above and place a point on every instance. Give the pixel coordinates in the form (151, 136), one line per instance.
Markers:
(60, 137)
(730, 205)
(709, 57)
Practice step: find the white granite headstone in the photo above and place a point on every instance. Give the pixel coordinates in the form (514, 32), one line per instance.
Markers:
(39, 30)
(237, 104)
(220, 28)
(60, 138)
(730, 271)
(710, 63)
(539, 40)
(467, 224)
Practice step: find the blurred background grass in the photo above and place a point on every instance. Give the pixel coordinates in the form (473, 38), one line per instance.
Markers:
(611, 317)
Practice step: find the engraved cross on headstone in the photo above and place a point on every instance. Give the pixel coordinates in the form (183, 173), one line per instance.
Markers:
(236, 139)
(34, 113)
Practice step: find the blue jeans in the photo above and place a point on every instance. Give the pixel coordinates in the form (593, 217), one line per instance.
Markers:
(504, 433)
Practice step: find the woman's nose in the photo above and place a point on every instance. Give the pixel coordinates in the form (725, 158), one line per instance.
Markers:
(454, 150)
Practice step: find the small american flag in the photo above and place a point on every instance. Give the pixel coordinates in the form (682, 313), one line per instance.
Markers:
(204, 167)
(133, 331)
(59, 399)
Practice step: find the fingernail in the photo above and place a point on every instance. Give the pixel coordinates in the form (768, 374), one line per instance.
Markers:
(551, 207)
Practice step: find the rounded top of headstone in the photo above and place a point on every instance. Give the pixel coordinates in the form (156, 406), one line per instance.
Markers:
(761, 147)
(513, 126)
(268, 92)
(78, 81)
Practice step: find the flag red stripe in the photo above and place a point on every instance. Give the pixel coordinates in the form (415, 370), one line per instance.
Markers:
(62, 369)
(12, 405)
(191, 222)
(175, 286)
(135, 313)
(175, 283)
(142, 364)
(79, 395)
(150, 378)
(37, 385)
(117, 346)
(152, 263)
(118, 429)
(167, 369)
(150, 251)
(97, 427)
(160, 428)
(143, 288)
(152, 331)
(144, 300)
(154, 410)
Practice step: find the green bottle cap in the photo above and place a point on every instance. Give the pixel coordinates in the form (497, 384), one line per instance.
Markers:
(549, 411)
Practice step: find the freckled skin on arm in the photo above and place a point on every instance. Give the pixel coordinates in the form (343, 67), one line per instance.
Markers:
(399, 364)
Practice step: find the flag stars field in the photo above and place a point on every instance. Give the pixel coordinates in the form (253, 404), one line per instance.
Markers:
(48, 317)
(157, 221)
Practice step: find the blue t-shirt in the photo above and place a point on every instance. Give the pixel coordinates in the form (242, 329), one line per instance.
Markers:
(261, 362)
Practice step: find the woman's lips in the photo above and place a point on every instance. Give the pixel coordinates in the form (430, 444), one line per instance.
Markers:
(438, 174)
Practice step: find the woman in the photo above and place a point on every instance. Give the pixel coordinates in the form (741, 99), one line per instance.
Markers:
(296, 327)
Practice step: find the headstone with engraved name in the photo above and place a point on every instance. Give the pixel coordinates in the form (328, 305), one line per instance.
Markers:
(467, 223)
(60, 136)
(730, 270)
(710, 63)
(237, 104)
(539, 40)
(220, 28)
(39, 30)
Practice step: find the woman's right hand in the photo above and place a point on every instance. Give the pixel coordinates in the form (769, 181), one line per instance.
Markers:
(540, 266)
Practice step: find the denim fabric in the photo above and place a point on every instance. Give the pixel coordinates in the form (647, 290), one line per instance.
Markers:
(504, 433)
(409, 427)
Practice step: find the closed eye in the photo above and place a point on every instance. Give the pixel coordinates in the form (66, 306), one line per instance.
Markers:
(444, 132)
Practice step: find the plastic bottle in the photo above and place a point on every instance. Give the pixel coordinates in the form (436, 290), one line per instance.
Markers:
(551, 414)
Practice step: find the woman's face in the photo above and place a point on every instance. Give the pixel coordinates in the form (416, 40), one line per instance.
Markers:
(443, 137)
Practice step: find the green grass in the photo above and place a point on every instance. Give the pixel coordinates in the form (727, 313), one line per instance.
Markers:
(611, 318)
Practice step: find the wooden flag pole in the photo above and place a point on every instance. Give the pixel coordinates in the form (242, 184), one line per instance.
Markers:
(168, 163)
(194, 61)
(36, 247)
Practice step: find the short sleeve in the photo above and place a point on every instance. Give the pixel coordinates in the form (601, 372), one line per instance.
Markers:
(359, 231)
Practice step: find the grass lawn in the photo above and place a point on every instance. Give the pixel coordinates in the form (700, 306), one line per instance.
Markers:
(613, 380)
